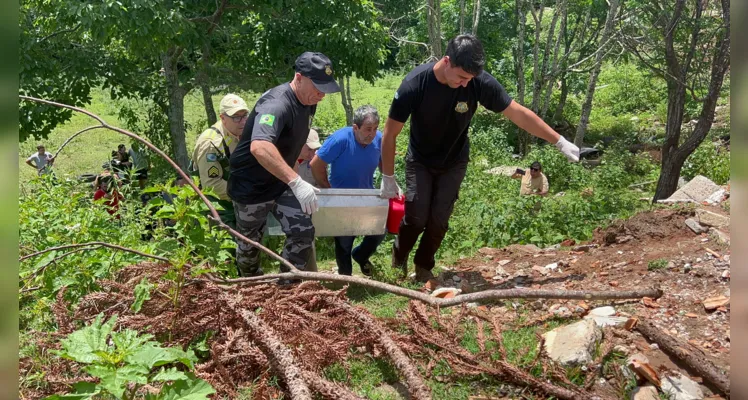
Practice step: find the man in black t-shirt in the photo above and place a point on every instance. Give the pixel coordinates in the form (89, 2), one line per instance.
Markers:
(440, 98)
(262, 178)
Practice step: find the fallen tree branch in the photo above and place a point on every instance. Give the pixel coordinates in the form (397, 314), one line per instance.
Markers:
(486, 295)
(280, 357)
(416, 386)
(688, 354)
(327, 389)
(499, 368)
(96, 244)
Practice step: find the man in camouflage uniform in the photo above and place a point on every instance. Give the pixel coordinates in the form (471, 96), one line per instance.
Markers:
(262, 177)
(210, 159)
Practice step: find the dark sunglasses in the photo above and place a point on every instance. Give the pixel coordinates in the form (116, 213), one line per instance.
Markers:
(535, 169)
(238, 119)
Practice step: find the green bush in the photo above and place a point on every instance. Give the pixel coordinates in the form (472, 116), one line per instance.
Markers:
(657, 264)
(708, 160)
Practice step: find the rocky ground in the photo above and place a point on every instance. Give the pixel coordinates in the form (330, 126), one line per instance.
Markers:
(652, 249)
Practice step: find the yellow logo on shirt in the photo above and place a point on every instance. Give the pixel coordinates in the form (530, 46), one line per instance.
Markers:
(461, 107)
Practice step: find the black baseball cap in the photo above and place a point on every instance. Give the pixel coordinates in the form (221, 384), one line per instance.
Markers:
(318, 68)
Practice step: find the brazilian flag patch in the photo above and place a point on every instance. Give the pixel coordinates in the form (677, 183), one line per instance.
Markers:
(267, 119)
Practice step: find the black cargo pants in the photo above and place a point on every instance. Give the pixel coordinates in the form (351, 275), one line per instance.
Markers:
(430, 196)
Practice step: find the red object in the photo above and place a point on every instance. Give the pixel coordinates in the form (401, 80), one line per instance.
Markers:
(112, 204)
(395, 214)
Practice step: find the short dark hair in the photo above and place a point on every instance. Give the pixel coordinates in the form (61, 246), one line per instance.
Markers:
(466, 52)
(536, 165)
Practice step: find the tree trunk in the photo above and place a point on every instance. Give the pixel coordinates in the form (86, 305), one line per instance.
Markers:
(550, 76)
(523, 138)
(210, 112)
(435, 32)
(476, 17)
(537, 17)
(176, 95)
(673, 155)
(462, 17)
(559, 113)
(345, 98)
(587, 106)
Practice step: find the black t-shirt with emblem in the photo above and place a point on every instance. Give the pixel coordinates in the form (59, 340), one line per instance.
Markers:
(440, 115)
(277, 117)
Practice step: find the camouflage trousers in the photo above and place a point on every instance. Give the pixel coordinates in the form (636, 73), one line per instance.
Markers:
(251, 220)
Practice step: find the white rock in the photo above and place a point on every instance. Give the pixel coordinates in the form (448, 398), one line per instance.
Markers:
(504, 262)
(646, 392)
(607, 321)
(456, 278)
(695, 226)
(573, 344)
(654, 346)
(681, 387)
(606, 311)
(551, 266)
(439, 291)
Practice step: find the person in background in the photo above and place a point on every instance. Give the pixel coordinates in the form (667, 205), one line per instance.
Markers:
(534, 181)
(41, 160)
(213, 148)
(353, 154)
(140, 162)
(107, 189)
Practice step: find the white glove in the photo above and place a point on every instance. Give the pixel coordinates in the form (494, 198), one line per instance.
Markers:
(306, 194)
(389, 187)
(570, 150)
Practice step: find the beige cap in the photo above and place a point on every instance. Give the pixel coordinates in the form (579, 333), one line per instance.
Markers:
(232, 103)
(313, 140)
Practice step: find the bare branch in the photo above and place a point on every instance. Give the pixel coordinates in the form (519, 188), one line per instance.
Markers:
(53, 34)
(76, 134)
(487, 295)
(96, 244)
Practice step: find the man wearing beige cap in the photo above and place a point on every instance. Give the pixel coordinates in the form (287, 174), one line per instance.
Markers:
(210, 159)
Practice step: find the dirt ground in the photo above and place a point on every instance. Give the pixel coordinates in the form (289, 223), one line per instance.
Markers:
(618, 258)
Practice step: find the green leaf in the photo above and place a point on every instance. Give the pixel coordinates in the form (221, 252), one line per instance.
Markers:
(82, 345)
(169, 375)
(114, 380)
(192, 389)
(142, 293)
(151, 355)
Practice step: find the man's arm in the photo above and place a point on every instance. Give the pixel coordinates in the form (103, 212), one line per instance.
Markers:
(319, 171)
(392, 128)
(269, 157)
(529, 121)
(544, 189)
(28, 161)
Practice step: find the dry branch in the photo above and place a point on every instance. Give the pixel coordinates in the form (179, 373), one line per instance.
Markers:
(97, 244)
(327, 389)
(487, 295)
(413, 380)
(691, 356)
(279, 356)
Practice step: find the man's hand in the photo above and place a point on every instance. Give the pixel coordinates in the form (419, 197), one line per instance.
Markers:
(389, 187)
(570, 150)
(306, 194)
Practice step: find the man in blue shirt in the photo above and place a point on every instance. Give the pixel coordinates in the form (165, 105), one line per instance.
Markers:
(353, 154)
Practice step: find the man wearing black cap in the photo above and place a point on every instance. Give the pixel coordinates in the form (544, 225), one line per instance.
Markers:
(262, 178)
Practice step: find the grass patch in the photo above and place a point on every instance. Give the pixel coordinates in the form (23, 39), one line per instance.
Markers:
(657, 264)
